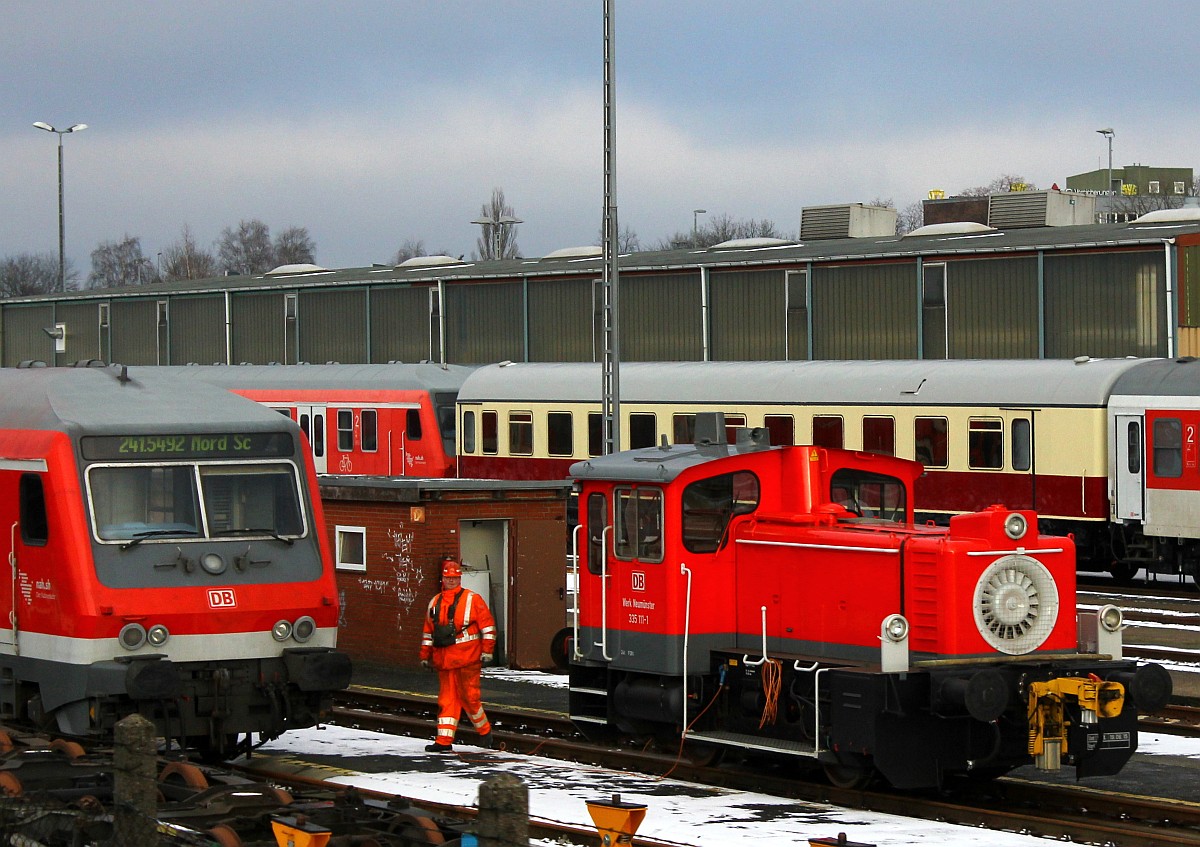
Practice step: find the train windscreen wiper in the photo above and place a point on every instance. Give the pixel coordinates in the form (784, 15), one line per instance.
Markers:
(247, 530)
(139, 537)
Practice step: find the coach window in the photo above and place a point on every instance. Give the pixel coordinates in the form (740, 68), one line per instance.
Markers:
(520, 433)
(879, 435)
(929, 436)
(490, 432)
(827, 431)
(318, 435)
(351, 548)
(1133, 447)
(985, 444)
(370, 430)
(35, 528)
(1022, 444)
(639, 521)
(345, 429)
(468, 432)
(559, 434)
(732, 424)
(412, 424)
(683, 429)
(782, 429)
(709, 505)
(597, 519)
(595, 434)
(641, 430)
(1168, 447)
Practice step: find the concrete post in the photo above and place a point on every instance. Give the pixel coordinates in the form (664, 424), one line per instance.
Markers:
(503, 812)
(135, 784)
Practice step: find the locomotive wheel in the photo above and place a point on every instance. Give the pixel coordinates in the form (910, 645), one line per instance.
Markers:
(225, 836)
(848, 776)
(1123, 572)
(420, 829)
(183, 773)
(561, 647)
(703, 755)
(71, 749)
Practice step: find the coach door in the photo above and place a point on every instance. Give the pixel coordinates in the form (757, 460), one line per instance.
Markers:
(1128, 468)
(312, 422)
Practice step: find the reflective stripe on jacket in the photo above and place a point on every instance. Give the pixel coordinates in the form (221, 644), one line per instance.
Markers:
(475, 629)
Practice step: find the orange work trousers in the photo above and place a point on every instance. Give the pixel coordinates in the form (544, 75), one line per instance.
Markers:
(458, 691)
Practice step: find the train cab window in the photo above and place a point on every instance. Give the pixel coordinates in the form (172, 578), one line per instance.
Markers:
(931, 443)
(595, 423)
(35, 528)
(345, 430)
(1133, 447)
(642, 430)
(444, 407)
(827, 431)
(597, 519)
(732, 424)
(638, 524)
(879, 435)
(468, 431)
(683, 429)
(781, 428)
(1022, 444)
(520, 433)
(490, 432)
(370, 430)
(1168, 447)
(869, 495)
(985, 444)
(560, 434)
(709, 505)
(412, 424)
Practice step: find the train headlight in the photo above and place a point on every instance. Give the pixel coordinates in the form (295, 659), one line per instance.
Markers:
(158, 635)
(212, 563)
(896, 628)
(132, 636)
(281, 631)
(1111, 618)
(304, 629)
(1015, 526)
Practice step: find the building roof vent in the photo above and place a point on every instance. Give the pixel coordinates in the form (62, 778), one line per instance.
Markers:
(753, 243)
(1017, 209)
(1162, 216)
(855, 220)
(429, 262)
(303, 268)
(588, 251)
(952, 228)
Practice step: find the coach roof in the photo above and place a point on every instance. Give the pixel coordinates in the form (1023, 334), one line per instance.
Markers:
(430, 377)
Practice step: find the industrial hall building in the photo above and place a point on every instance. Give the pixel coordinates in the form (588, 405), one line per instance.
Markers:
(1038, 280)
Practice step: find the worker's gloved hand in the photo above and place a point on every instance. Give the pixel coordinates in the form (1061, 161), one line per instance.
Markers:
(427, 664)
(486, 658)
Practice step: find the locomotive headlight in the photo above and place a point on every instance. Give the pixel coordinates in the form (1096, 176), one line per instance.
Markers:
(281, 631)
(1111, 618)
(896, 628)
(212, 563)
(158, 635)
(1015, 526)
(303, 629)
(132, 636)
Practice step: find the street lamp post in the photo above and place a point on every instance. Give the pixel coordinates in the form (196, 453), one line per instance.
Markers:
(696, 225)
(496, 231)
(62, 227)
(1108, 133)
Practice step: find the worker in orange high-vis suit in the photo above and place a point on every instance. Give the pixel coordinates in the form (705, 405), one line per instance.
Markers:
(459, 635)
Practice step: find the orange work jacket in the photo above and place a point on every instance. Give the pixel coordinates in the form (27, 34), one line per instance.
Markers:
(474, 629)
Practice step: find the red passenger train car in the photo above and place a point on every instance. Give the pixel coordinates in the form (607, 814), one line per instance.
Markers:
(781, 599)
(168, 558)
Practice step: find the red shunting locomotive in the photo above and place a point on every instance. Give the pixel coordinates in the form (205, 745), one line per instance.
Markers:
(780, 599)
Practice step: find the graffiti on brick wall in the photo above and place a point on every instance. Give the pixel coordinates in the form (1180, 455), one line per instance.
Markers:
(407, 575)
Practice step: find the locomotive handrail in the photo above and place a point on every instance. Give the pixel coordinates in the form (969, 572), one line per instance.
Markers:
(575, 570)
(1017, 551)
(754, 663)
(603, 643)
(12, 589)
(687, 625)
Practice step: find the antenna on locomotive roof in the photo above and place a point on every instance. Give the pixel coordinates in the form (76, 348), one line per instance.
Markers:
(123, 376)
(916, 390)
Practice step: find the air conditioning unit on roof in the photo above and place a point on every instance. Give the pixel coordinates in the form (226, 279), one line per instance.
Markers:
(855, 220)
(1041, 208)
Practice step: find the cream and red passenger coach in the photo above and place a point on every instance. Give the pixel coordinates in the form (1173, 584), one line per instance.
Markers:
(1102, 449)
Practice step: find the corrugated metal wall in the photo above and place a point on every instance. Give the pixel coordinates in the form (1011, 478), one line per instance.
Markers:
(333, 325)
(485, 323)
(992, 308)
(660, 317)
(399, 324)
(1189, 285)
(134, 331)
(560, 320)
(198, 330)
(83, 336)
(747, 316)
(1106, 304)
(23, 335)
(865, 311)
(257, 333)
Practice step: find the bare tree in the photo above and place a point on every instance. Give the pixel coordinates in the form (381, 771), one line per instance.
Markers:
(1132, 205)
(718, 229)
(121, 263)
(627, 240)
(33, 273)
(185, 260)
(999, 185)
(910, 217)
(499, 237)
(410, 249)
(247, 249)
(293, 246)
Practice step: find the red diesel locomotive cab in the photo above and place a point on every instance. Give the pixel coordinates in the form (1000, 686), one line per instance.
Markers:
(168, 559)
(781, 599)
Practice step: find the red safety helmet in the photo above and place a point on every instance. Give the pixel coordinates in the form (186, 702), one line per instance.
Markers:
(451, 568)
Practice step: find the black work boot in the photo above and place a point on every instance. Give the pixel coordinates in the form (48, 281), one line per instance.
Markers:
(439, 748)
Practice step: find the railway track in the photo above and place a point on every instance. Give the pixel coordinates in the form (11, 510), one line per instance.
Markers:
(1057, 811)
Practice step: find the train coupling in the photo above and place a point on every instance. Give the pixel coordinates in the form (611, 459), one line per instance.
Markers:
(615, 821)
(1048, 722)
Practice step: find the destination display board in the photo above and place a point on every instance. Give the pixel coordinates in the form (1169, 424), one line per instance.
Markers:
(198, 445)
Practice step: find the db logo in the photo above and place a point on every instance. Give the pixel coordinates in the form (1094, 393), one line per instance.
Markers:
(221, 598)
(639, 581)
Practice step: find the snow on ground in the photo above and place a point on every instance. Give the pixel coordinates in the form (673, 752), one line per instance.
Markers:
(554, 680)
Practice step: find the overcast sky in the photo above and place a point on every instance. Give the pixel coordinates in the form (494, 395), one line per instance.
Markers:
(372, 123)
